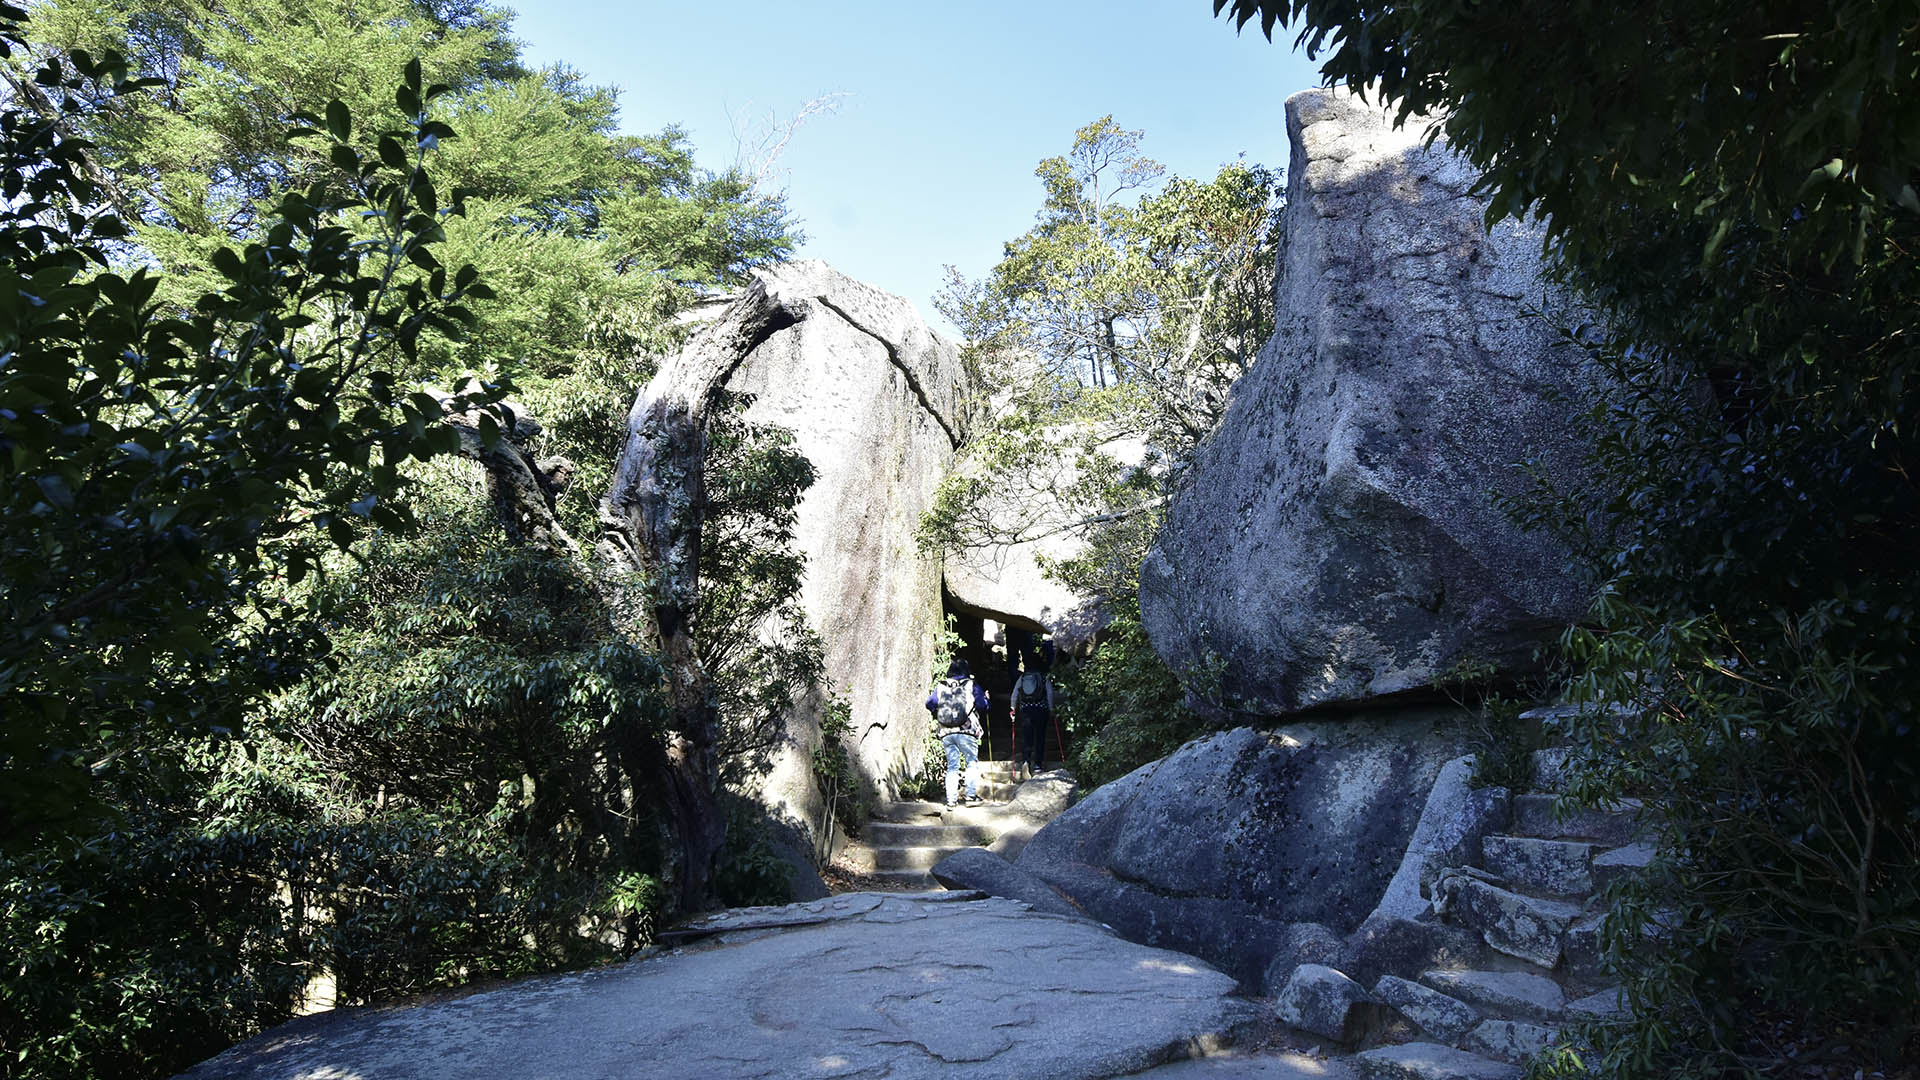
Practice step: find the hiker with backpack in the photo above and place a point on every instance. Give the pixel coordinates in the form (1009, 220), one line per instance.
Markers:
(958, 704)
(1032, 712)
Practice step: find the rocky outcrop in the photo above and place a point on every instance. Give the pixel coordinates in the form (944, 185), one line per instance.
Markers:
(1528, 890)
(1319, 999)
(1336, 540)
(1226, 847)
(982, 870)
(1005, 582)
(874, 399)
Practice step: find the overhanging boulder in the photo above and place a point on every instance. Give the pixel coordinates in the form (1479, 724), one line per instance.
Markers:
(1337, 539)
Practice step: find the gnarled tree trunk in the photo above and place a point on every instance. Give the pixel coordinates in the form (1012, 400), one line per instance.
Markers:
(649, 547)
(650, 526)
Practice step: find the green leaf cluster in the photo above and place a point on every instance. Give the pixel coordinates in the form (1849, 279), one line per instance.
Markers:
(162, 465)
(589, 237)
(751, 635)
(1123, 707)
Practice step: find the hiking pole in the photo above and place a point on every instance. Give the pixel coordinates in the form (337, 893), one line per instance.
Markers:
(1058, 740)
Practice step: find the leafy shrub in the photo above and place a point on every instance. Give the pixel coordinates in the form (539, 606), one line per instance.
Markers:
(1781, 789)
(834, 771)
(197, 922)
(1502, 743)
(750, 870)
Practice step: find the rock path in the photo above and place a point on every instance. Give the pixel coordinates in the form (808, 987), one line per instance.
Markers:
(904, 840)
(948, 985)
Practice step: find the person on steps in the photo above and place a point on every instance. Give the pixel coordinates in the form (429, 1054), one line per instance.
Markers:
(1032, 713)
(957, 704)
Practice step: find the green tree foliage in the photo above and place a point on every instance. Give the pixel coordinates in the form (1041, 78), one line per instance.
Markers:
(753, 637)
(227, 779)
(164, 464)
(1112, 331)
(589, 237)
(166, 467)
(1734, 186)
(1160, 302)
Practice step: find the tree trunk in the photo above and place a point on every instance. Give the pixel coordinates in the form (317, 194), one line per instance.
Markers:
(650, 526)
(649, 547)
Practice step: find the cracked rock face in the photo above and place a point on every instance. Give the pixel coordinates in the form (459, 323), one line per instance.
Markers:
(856, 985)
(1335, 541)
(873, 397)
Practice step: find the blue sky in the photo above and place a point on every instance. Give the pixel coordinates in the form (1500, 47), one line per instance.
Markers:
(928, 158)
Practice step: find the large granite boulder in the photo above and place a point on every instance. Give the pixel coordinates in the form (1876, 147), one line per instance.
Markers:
(1224, 847)
(874, 399)
(1006, 583)
(978, 868)
(1336, 540)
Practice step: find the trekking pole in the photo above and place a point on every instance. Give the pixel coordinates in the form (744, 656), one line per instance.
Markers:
(1058, 740)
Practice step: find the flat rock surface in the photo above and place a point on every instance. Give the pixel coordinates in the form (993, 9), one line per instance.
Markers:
(1269, 1066)
(857, 985)
(1431, 1061)
(1512, 992)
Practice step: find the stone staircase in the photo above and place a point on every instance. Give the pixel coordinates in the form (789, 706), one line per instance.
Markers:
(1533, 898)
(903, 840)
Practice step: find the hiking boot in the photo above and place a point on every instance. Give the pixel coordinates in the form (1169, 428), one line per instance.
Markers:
(974, 800)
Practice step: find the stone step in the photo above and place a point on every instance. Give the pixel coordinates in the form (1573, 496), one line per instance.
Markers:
(910, 858)
(1600, 1005)
(1431, 1061)
(993, 790)
(1527, 927)
(1550, 768)
(1621, 862)
(1533, 815)
(1439, 1015)
(1531, 864)
(1003, 767)
(1506, 994)
(926, 834)
(1513, 1041)
(906, 879)
(1581, 945)
(925, 813)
